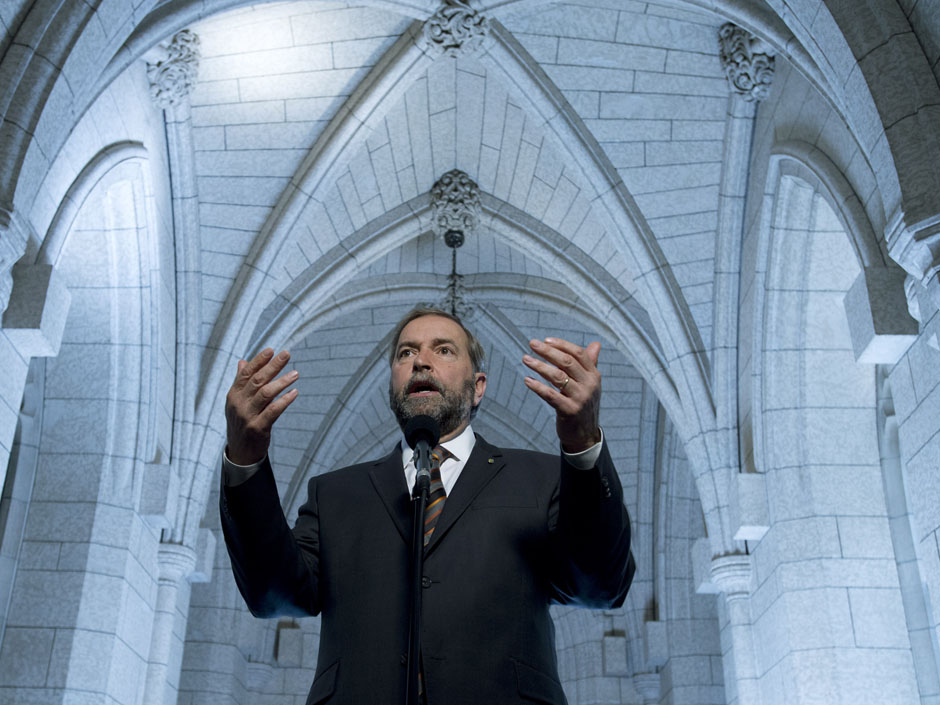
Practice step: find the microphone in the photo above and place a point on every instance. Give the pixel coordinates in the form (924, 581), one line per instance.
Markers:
(422, 433)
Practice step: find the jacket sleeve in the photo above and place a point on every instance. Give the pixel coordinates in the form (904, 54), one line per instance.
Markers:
(275, 568)
(591, 535)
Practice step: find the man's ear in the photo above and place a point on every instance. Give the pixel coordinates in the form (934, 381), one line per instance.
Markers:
(480, 387)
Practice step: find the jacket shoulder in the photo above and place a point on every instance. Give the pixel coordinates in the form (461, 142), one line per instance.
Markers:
(534, 457)
(353, 473)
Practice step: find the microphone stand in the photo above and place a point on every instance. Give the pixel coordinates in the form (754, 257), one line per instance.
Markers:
(419, 501)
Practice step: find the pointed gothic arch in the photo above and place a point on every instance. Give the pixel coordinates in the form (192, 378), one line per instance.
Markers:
(401, 65)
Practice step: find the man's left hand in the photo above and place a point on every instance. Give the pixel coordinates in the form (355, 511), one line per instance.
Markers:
(573, 389)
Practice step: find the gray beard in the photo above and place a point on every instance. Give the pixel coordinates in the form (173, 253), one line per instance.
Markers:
(450, 409)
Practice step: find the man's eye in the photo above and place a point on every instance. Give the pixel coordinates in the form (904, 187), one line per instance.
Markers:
(447, 351)
(404, 352)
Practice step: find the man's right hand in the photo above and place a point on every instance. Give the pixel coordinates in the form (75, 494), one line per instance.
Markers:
(253, 405)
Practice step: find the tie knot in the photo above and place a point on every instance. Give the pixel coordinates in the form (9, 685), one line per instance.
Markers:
(439, 455)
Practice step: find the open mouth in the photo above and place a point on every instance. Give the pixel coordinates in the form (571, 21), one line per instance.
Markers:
(422, 388)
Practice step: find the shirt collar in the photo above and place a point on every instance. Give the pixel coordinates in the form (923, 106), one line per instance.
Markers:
(460, 446)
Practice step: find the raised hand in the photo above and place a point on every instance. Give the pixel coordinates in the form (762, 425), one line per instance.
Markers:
(253, 405)
(573, 389)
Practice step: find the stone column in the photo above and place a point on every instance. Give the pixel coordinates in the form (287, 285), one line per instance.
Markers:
(175, 562)
(731, 574)
(172, 70)
(748, 65)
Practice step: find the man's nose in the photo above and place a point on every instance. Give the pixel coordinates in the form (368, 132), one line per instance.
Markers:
(421, 361)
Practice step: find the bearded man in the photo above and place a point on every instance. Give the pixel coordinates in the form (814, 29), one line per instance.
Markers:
(515, 532)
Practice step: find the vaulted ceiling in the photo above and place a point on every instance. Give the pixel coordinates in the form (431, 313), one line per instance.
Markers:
(594, 132)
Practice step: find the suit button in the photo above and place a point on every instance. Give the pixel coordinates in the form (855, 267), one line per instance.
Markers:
(404, 660)
(425, 582)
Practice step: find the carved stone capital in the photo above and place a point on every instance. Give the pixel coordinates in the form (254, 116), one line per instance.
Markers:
(456, 29)
(257, 675)
(455, 204)
(912, 289)
(175, 562)
(732, 575)
(648, 686)
(916, 247)
(173, 78)
(748, 62)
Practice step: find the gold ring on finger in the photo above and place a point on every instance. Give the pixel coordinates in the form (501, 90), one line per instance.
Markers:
(561, 387)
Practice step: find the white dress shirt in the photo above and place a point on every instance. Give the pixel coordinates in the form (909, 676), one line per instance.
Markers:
(459, 447)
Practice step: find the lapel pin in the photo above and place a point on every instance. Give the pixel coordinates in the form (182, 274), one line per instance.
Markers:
(490, 461)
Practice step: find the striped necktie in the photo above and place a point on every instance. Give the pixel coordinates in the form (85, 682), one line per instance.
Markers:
(436, 495)
(432, 511)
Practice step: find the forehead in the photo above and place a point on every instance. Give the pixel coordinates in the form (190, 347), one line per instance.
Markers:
(429, 328)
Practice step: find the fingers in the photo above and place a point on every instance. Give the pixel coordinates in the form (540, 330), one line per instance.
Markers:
(263, 397)
(255, 401)
(257, 382)
(550, 373)
(593, 352)
(247, 368)
(569, 370)
(272, 411)
(555, 398)
(572, 387)
(564, 362)
(264, 367)
(574, 360)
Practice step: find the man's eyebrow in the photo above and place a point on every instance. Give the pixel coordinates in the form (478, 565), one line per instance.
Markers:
(434, 343)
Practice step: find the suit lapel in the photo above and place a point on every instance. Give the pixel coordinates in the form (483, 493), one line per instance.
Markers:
(484, 462)
(388, 478)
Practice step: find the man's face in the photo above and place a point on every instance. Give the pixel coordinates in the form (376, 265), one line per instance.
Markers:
(432, 374)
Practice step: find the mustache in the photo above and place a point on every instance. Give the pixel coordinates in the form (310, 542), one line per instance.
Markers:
(419, 380)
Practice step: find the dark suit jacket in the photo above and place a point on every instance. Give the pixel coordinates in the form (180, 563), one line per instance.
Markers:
(519, 531)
